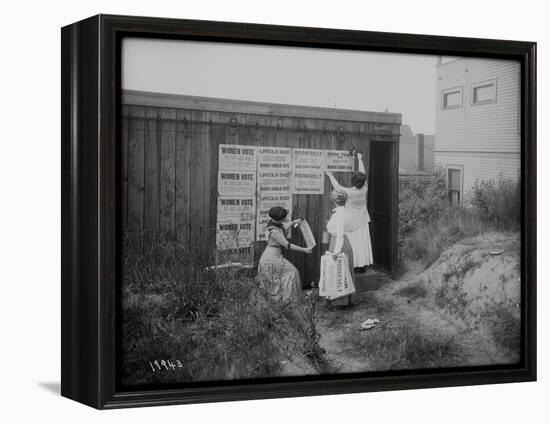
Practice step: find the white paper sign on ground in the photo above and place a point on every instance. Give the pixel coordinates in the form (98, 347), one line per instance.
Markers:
(307, 234)
(265, 202)
(308, 182)
(339, 161)
(236, 183)
(236, 157)
(309, 159)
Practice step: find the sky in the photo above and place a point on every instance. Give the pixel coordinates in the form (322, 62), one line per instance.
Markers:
(401, 83)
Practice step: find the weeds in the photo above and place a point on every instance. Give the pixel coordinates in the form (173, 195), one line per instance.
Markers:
(428, 223)
(497, 202)
(219, 323)
(311, 337)
(504, 324)
(406, 346)
(450, 296)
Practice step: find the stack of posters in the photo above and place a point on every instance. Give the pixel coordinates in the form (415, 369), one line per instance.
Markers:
(236, 217)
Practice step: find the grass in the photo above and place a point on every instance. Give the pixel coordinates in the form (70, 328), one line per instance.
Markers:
(415, 290)
(431, 238)
(404, 345)
(218, 324)
(504, 323)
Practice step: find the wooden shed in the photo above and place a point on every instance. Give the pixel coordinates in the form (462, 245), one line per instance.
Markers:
(170, 163)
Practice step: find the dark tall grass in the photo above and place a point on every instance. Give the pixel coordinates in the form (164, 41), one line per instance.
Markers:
(219, 323)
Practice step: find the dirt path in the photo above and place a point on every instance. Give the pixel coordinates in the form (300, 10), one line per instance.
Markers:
(461, 311)
(411, 334)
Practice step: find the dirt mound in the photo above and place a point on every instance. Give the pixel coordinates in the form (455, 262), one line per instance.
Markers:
(476, 283)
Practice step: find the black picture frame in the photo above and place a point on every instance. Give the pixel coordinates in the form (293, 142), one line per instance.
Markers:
(90, 114)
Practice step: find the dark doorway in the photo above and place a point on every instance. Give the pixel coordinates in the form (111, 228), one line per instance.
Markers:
(380, 202)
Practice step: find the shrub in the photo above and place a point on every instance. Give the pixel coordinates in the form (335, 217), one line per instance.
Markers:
(428, 223)
(497, 202)
(421, 201)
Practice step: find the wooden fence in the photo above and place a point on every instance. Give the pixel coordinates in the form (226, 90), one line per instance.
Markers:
(170, 165)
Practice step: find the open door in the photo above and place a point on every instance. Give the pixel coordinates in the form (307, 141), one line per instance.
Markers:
(380, 201)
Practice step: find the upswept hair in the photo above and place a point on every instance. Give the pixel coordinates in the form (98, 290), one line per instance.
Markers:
(339, 197)
(277, 213)
(358, 180)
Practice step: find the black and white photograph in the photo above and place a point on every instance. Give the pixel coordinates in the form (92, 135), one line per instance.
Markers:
(293, 211)
(274, 212)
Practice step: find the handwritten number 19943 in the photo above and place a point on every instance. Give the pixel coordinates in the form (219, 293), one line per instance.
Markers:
(165, 365)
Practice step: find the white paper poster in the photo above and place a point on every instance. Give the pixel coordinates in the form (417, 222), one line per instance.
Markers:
(243, 255)
(308, 182)
(274, 181)
(236, 208)
(236, 222)
(307, 234)
(236, 183)
(274, 169)
(267, 201)
(309, 159)
(274, 158)
(236, 157)
(232, 235)
(339, 161)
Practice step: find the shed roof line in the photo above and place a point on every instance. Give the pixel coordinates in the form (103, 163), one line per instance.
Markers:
(180, 101)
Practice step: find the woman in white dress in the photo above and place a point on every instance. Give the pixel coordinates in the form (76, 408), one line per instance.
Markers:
(356, 205)
(339, 227)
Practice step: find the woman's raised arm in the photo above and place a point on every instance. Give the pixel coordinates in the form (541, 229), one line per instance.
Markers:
(361, 164)
(335, 184)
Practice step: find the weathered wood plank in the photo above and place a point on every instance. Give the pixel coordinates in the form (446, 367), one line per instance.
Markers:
(197, 189)
(315, 218)
(167, 173)
(123, 207)
(152, 174)
(210, 177)
(136, 135)
(183, 175)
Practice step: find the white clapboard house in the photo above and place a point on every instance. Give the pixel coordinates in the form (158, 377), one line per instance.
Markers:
(478, 122)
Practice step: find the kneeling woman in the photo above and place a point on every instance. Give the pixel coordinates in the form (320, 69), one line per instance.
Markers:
(280, 277)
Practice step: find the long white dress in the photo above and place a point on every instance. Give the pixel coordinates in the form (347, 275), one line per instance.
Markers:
(359, 234)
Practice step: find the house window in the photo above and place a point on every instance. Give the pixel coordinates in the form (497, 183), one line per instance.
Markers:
(451, 98)
(454, 185)
(484, 92)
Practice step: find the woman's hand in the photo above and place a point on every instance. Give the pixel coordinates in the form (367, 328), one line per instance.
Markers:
(296, 222)
(359, 156)
(307, 250)
(329, 174)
